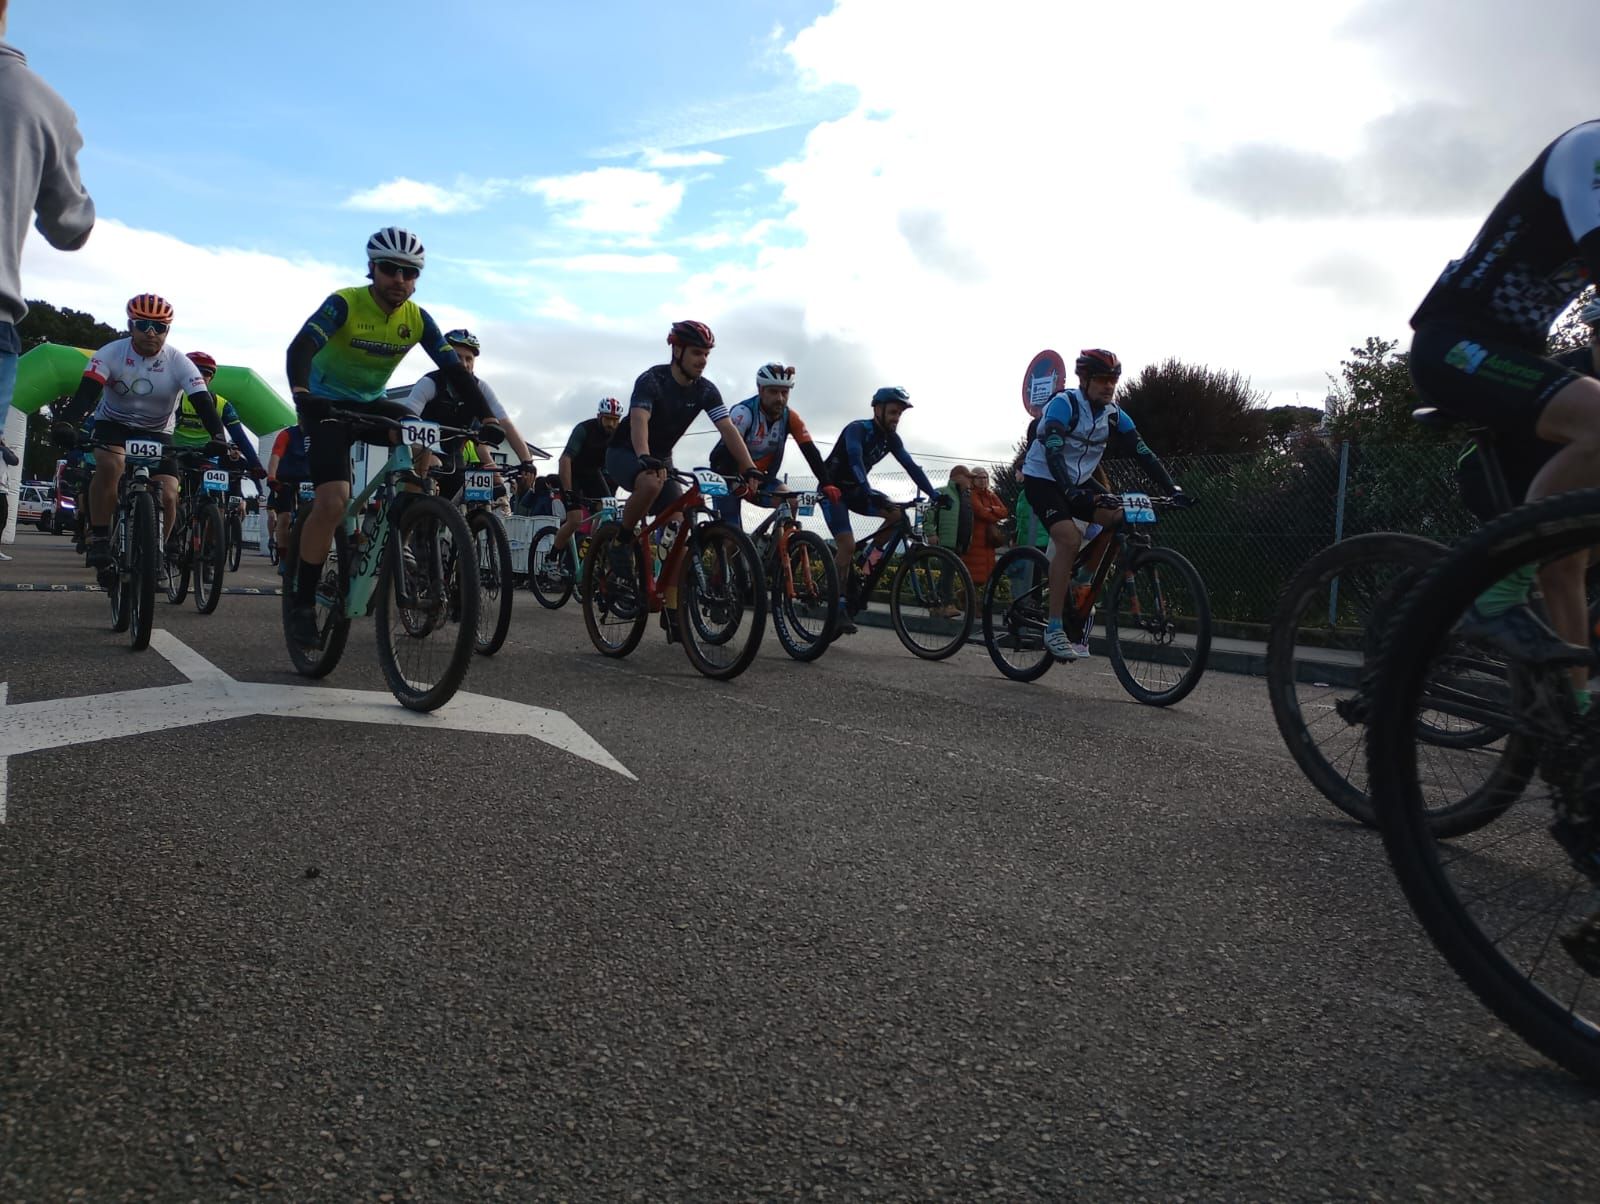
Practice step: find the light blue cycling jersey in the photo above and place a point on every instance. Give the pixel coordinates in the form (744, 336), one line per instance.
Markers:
(1085, 432)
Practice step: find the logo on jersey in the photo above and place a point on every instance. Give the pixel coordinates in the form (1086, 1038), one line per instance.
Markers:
(405, 331)
(1466, 355)
(375, 347)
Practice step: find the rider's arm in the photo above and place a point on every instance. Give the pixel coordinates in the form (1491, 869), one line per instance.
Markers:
(206, 405)
(462, 383)
(246, 445)
(569, 453)
(77, 409)
(734, 442)
(1148, 460)
(514, 437)
(808, 448)
(1572, 176)
(645, 394)
(855, 450)
(313, 336)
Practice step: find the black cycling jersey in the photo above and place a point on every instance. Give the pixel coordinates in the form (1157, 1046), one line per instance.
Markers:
(673, 409)
(587, 446)
(1538, 249)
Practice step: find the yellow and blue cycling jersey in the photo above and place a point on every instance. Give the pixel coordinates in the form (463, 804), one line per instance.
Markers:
(190, 428)
(359, 346)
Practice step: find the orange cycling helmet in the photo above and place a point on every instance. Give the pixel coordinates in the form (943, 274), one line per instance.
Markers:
(151, 307)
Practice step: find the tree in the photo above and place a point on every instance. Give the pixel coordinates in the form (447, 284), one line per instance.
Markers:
(1285, 423)
(1372, 397)
(1006, 479)
(1191, 409)
(45, 323)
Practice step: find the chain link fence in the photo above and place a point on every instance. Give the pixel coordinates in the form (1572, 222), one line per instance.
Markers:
(1262, 515)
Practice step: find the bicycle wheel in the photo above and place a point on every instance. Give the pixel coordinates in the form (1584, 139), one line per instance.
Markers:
(805, 599)
(551, 580)
(931, 602)
(613, 611)
(175, 557)
(235, 538)
(1016, 607)
(722, 601)
(144, 547)
(208, 557)
(493, 551)
(428, 603)
(332, 622)
(1497, 903)
(1158, 626)
(117, 574)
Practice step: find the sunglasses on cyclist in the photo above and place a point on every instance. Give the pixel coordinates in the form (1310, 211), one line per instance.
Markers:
(1104, 378)
(148, 326)
(403, 270)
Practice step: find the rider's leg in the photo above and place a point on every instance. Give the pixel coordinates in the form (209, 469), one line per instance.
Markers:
(169, 502)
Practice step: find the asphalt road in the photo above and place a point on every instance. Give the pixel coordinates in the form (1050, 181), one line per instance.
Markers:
(870, 928)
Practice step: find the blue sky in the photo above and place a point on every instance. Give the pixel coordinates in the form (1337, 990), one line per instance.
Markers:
(912, 192)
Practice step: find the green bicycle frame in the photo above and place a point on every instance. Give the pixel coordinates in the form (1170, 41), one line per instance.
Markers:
(364, 573)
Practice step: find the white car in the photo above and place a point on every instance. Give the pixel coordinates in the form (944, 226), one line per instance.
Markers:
(34, 502)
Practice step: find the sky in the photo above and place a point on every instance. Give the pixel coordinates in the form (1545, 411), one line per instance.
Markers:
(878, 192)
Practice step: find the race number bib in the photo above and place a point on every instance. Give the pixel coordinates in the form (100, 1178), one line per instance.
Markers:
(1136, 508)
(215, 480)
(144, 449)
(307, 491)
(480, 486)
(425, 435)
(712, 484)
(805, 503)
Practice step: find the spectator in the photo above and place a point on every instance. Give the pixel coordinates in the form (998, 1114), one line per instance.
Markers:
(39, 143)
(951, 527)
(988, 511)
(8, 459)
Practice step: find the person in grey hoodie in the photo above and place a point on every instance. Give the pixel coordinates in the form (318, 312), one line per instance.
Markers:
(39, 143)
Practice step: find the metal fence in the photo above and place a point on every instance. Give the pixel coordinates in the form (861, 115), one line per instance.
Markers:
(1262, 515)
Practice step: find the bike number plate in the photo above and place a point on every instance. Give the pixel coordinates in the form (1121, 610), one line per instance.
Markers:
(805, 503)
(610, 506)
(712, 484)
(215, 480)
(1136, 508)
(480, 486)
(144, 450)
(421, 434)
(307, 491)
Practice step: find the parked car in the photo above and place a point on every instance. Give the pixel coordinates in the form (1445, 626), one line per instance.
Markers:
(63, 516)
(33, 502)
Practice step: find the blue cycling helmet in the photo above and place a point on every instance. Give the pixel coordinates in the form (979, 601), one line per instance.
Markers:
(891, 394)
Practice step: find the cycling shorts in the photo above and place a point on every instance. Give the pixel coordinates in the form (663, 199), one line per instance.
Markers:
(115, 434)
(1484, 380)
(1053, 504)
(331, 441)
(861, 499)
(623, 467)
(284, 495)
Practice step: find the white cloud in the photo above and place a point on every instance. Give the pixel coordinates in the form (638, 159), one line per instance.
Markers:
(611, 200)
(615, 264)
(403, 195)
(661, 160)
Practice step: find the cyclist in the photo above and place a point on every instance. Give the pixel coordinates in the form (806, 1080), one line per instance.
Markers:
(433, 398)
(287, 465)
(582, 470)
(190, 432)
(1478, 352)
(860, 446)
(1058, 475)
(666, 399)
(766, 423)
(139, 380)
(344, 356)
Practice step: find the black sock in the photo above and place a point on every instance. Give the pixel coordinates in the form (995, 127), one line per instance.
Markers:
(96, 531)
(305, 592)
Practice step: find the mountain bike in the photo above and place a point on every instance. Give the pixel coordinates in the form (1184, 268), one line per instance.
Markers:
(1158, 614)
(493, 547)
(233, 524)
(408, 560)
(704, 579)
(1510, 907)
(931, 595)
(1326, 638)
(194, 549)
(803, 576)
(130, 579)
(552, 575)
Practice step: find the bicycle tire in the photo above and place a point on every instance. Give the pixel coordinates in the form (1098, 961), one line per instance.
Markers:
(117, 592)
(1511, 963)
(918, 583)
(628, 614)
(175, 568)
(492, 547)
(806, 619)
(235, 538)
(1150, 560)
(145, 545)
(726, 597)
(550, 592)
(207, 559)
(1330, 766)
(444, 587)
(1018, 623)
(332, 621)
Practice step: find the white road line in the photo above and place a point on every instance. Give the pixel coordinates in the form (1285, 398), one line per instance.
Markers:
(211, 696)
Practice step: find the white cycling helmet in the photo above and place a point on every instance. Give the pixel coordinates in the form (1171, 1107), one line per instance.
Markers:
(1590, 313)
(775, 374)
(393, 243)
(609, 405)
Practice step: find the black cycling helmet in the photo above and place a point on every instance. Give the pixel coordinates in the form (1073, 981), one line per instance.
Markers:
(1097, 361)
(691, 334)
(891, 394)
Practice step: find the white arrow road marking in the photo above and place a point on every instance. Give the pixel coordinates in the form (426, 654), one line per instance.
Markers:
(212, 696)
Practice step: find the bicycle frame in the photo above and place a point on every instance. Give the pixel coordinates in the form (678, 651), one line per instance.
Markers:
(658, 596)
(785, 521)
(902, 535)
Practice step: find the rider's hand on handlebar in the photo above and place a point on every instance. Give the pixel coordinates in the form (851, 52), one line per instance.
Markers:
(832, 493)
(64, 435)
(215, 448)
(653, 463)
(256, 474)
(1182, 500)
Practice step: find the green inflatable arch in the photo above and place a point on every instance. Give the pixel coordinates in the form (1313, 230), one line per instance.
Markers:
(51, 370)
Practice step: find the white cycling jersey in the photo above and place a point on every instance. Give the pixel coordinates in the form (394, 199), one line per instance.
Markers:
(141, 391)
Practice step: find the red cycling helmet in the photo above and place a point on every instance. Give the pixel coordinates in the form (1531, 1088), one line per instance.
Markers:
(691, 334)
(1096, 361)
(202, 361)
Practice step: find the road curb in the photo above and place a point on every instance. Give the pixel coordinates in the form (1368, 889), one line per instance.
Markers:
(44, 587)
